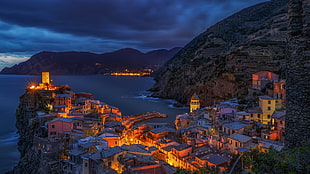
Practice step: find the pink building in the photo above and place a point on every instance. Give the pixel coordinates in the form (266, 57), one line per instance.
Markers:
(58, 126)
(260, 79)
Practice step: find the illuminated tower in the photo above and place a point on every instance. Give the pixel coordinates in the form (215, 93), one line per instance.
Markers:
(46, 77)
(194, 103)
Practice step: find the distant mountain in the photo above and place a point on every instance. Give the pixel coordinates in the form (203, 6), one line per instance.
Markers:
(78, 63)
(219, 62)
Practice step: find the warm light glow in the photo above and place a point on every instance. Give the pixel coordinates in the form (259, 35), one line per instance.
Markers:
(130, 73)
(32, 87)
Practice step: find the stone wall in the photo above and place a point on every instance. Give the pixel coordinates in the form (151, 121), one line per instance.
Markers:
(298, 75)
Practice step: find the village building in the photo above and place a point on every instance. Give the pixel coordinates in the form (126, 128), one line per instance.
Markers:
(238, 140)
(235, 127)
(262, 114)
(59, 126)
(279, 91)
(262, 78)
(194, 103)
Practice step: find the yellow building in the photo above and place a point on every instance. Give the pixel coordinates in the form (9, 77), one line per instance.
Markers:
(263, 113)
(194, 103)
(46, 78)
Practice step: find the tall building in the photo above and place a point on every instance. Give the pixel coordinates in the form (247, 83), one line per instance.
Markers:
(194, 103)
(46, 77)
(297, 121)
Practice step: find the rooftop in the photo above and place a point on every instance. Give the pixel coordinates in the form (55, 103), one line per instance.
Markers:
(63, 95)
(69, 120)
(266, 97)
(279, 115)
(76, 152)
(60, 106)
(111, 151)
(240, 138)
(215, 159)
(236, 125)
(182, 147)
(195, 97)
(134, 148)
(242, 149)
(254, 110)
(162, 129)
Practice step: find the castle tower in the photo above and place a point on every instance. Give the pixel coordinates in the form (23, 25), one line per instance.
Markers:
(46, 77)
(194, 103)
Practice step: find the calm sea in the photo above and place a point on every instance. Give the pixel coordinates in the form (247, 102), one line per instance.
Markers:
(127, 93)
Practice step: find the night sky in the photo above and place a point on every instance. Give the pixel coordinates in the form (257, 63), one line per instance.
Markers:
(30, 26)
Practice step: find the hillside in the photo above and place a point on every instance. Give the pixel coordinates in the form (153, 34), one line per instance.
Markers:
(76, 63)
(218, 63)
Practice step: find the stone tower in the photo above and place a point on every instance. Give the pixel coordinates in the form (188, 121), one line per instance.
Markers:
(46, 77)
(194, 103)
(298, 76)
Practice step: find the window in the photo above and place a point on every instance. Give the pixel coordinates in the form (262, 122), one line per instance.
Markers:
(236, 144)
(269, 102)
(268, 116)
(53, 126)
(85, 164)
(269, 108)
(258, 115)
(281, 122)
(52, 133)
(251, 115)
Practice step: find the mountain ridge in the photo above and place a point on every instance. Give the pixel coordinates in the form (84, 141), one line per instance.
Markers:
(82, 63)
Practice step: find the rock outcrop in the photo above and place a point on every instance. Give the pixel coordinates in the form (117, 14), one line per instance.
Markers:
(81, 63)
(30, 128)
(218, 63)
(298, 75)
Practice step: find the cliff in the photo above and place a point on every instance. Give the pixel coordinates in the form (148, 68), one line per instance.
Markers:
(218, 63)
(76, 63)
(298, 75)
(31, 128)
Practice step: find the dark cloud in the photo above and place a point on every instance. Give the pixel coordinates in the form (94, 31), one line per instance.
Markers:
(105, 25)
(119, 19)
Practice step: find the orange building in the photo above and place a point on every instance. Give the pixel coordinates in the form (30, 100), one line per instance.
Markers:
(279, 91)
(278, 121)
(260, 79)
(63, 99)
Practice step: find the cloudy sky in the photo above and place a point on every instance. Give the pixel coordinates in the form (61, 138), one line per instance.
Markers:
(30, 26)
